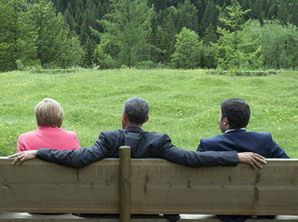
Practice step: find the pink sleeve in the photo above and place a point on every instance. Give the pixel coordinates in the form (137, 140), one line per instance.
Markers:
(77, 144)
(20, 145)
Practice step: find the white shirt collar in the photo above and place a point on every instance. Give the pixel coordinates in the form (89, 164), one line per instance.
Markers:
(231, 130)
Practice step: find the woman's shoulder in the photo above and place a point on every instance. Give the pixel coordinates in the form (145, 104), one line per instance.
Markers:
(28, 134)
(69, 132)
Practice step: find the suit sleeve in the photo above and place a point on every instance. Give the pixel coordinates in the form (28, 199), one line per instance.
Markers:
(201, 146)
(77, 158)
(277, 152)
(197, 159)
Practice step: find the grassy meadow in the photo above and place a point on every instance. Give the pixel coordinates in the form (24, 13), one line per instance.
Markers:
(184, 104)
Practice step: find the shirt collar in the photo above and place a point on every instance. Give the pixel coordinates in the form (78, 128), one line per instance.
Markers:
(231, 130)
(133, 129)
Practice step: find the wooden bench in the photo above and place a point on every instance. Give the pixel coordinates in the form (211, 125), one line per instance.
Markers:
(146, 186)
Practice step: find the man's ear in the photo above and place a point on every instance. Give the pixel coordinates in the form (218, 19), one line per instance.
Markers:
(124, 115)
(225, 121)
(147, 118)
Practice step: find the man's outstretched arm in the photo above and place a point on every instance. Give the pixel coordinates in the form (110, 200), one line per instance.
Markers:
(253, 159)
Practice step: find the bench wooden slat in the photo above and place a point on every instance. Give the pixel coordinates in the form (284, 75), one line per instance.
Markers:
(157, 186)
(11, 217)
(161, 186)
(38, 187)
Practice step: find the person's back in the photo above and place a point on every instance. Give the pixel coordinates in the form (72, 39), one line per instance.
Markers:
(242, 141)
(50, 138)
(234, 117)
(49, 117)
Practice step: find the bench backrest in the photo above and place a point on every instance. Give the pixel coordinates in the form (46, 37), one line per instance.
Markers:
(154, 186)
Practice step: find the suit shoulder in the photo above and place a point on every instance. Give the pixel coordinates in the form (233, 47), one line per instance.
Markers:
(212, 138)
(111, 133)
(260, 134)
(157, 135)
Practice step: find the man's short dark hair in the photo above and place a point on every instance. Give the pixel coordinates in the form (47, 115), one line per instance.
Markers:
(137, 110)
(237, 112)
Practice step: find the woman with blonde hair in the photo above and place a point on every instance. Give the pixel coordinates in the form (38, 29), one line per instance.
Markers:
(49, 117)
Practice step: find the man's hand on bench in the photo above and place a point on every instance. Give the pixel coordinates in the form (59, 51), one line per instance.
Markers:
(20, 157)
(253, 159)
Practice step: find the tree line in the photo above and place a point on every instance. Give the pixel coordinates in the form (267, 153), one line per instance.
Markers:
(223, 34)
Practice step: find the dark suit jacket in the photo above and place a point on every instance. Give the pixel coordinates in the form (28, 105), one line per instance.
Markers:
(242, 141)
(143, 145)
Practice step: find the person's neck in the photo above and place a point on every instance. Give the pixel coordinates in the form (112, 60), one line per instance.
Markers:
(134, 125)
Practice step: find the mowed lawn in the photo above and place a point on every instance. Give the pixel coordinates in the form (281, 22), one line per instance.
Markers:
(183, 104)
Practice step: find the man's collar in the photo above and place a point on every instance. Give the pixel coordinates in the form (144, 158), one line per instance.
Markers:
(231, 130)
(133, 129)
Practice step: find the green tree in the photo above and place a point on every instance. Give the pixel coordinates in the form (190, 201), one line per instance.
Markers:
(279, 45)
(169, 31)
(187, 16)
(106, 53)
(187, 50)
(233, 51)
(155, 39)
(17, 35)
(128, 24)
(56, 45)
(210, 18)
(209, 35)
(88, 40)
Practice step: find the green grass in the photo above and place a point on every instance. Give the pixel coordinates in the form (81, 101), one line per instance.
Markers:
(183, 104)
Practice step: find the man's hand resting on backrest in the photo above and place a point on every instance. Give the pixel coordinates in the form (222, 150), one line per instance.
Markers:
(254, 159)
(20, 157)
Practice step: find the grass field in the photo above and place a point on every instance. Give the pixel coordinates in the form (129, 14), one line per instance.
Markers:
(183, 104)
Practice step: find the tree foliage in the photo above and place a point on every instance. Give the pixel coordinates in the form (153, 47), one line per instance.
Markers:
(17, 35)
(135, 33)
(233, 51)
(32, 33)
(187, 50)
(128, 25)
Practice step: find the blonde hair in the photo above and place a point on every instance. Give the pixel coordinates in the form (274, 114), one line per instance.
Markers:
(49, 113)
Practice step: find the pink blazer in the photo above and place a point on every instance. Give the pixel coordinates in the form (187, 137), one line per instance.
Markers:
(50, 138)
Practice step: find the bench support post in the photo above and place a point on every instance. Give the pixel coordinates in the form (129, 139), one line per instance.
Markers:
(125, 183)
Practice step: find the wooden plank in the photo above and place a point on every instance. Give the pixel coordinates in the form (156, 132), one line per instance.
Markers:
(19, 217)
(163, 187)
(125, 183)
(38, 187)
(158, 186)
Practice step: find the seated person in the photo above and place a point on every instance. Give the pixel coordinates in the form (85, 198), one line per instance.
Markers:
(234, 117)
(49, 117)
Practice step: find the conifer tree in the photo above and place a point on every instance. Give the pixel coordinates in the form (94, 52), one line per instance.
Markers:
(233, 51)
(187, 16)
(210, 17)
(129, 25)
(17, 35)
(56, 44)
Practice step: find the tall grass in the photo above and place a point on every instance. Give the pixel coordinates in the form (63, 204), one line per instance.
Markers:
(183, 104)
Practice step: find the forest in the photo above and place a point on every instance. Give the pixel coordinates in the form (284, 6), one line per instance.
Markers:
(183, 34)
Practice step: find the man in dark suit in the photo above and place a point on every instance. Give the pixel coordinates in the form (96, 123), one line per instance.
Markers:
(234, 117)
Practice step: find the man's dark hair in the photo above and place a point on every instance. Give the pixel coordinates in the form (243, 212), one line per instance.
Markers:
(137, 110)
(237, 112)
